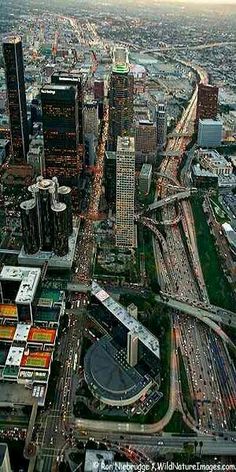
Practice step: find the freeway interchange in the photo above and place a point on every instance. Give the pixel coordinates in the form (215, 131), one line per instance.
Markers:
(210, 374)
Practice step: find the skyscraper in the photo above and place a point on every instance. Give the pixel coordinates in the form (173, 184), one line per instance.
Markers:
(44, 219)
(60, 126)
(161, 118)
(125, 188)
(77, 80)
(207, 102)
(120, 98)
(14, 71)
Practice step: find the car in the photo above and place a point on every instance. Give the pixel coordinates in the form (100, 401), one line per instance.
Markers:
(160, 443)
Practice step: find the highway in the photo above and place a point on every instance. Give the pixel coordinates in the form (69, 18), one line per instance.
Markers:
(193, 309)
(190, 284)
(166, 443)
(168, 200)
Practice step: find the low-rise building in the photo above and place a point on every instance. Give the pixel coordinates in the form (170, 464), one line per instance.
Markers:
(214, 162)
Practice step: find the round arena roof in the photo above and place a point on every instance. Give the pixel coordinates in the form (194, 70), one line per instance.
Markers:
(110, 378)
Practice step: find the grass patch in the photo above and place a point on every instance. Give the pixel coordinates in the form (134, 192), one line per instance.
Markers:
(177, 424)
(219, 289)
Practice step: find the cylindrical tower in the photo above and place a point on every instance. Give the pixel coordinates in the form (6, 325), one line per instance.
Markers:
(60, 232)
(64, 194)
(30, 227)
(45, 191)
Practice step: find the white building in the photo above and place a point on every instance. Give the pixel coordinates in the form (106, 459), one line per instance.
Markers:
(214, 162)
(132, 349)
(125, 189)
(209, 133)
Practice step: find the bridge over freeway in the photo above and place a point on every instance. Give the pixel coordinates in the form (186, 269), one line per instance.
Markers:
(170, 199)
(211, 312)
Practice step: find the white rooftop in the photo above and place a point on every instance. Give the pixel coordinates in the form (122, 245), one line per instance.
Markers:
(147, 338)
(29, 278)
(14, 356)
(21, 333)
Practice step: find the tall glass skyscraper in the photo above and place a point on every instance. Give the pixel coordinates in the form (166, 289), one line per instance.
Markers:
(120, 98)
(60, 133)
(14, 71)
(125, 188)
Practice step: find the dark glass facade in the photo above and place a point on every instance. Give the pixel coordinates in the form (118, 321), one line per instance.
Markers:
(44, 218)
(78, 81)
(207, 102)
(60, 230)
(64, 195)
(29, 218)
(14, 71)
(60, 123)
(120, 107)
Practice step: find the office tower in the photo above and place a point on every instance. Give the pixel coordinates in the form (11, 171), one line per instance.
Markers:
(145, 141)
(110, 177)
(91, 117)
(145, 178)
(44, 219)
(125, 188)
(5, 465)
(120, 98)
(77, 80)
(60, 124)
(98, 89)
(209, 133)
(14, 71)
(132, 348)
(29, 220)
(207, 102)
(161, 118)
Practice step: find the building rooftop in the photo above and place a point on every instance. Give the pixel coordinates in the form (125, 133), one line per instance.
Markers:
(14, 357)
(150, 341)
(146, 170)
(125, 144)
(210, 121)
(28, 278)
(22, 332)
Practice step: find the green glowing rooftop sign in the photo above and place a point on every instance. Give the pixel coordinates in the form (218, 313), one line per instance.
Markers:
(120, 68)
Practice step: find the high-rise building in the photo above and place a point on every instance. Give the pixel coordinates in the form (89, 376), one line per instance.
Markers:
(91, 117)
(209, 133)
(14, 71)
(207, 102)
(44, 219)
(110, 177)
(161, 117)
(120, 98)
(125, 189)
(76, 79)
(145, 178)
(145, 141)
(60, 127)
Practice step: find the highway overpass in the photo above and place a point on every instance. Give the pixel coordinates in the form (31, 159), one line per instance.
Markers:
(171, 199)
